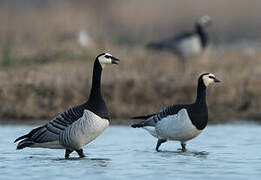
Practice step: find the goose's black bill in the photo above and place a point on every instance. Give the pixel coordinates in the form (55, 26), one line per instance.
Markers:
(114, 60)
(217, 80)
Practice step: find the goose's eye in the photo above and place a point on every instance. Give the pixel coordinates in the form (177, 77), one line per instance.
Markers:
(107, 56)
(211, 77)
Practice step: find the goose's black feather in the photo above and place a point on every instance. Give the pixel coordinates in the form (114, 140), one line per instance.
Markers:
(172, 43)
(198, 111)
(50, 131)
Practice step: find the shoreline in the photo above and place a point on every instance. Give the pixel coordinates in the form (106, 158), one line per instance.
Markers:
(117, 122)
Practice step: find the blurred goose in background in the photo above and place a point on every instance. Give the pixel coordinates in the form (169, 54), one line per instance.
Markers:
(78, 125)
(187, 44)
(181, 122)
(84, 38)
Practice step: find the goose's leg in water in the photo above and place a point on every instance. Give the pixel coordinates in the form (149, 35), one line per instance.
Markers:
(160, 141)
(183, 145)
(67, 153)
(80, 153)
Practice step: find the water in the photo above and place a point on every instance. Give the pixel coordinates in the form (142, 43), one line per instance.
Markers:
(220, 152)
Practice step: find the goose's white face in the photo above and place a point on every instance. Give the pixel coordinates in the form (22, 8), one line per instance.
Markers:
(209, 79)
(205, 20)
(106, 59)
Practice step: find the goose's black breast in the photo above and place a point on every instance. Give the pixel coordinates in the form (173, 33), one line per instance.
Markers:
(99, 108)
(198, 116)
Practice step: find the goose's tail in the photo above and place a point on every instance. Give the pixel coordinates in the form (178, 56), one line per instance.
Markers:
(143, 116)
(146, 122)
(23, 144)
(25, 139)
(138, 125)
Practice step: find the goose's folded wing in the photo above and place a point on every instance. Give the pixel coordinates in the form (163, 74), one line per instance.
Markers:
(153, 119)
(181, 37)
(50, 131)
(168, 111)
(169, 43)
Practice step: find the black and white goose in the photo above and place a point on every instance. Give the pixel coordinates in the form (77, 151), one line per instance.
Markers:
(187, 44)
(78, 125)
(181, 122)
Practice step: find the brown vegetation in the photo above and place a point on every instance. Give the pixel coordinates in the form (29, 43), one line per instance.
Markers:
(143, 83)
(44, 69)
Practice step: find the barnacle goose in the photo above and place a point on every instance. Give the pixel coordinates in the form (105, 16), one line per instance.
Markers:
(181, 122)
(187, 44)
(78, 125)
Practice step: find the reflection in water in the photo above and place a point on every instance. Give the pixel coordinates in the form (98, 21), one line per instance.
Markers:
(125, 153)
(93, 162)
(200, 154)
(100, 159)
(83, 159)
(72, 159)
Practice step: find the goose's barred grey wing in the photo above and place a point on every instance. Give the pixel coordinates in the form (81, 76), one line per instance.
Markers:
(168, 111)
(51, 131)
(152, 120)
(169, 43)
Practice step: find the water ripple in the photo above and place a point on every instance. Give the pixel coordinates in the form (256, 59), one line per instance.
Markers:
(219, 153)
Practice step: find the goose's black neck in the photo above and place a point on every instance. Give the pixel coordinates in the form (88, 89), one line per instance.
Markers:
(199, 115)
(201, 93)
(95, 102)
(202, 34)
(96, 81)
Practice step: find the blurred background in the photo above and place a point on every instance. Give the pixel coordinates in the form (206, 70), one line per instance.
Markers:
(47, 49)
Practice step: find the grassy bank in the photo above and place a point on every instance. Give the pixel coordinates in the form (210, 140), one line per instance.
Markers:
(144, 82)
(44, 69)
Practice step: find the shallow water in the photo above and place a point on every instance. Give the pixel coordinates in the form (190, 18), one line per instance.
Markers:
(220, 152)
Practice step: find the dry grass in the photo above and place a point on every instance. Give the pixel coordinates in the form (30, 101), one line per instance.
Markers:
(44, 70)
(143, 83)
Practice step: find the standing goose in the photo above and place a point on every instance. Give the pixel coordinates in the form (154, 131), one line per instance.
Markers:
(181, 122)
(78, 125)
(187, 44)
